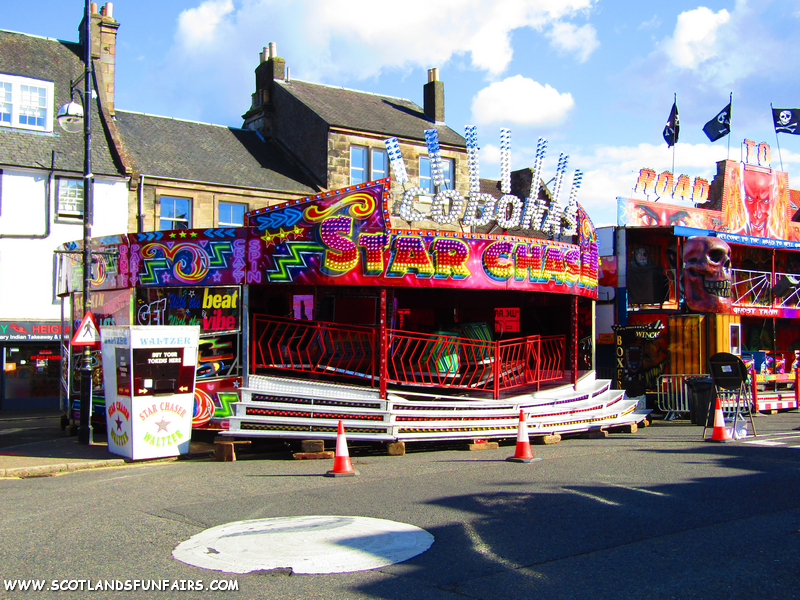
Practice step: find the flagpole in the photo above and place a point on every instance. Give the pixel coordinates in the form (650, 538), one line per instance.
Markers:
(674, 102)
(730, 125)
(776, 134)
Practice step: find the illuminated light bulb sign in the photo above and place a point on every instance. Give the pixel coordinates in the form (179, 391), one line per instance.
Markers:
(664, 184)
(450, 257)
(434, 256)
(342, 253)
(757, 154)
(509, 212)
(410, 256)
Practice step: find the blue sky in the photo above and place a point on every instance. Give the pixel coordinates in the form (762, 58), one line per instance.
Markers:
(594, 77)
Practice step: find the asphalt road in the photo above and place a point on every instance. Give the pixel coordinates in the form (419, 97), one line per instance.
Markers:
(655, 514)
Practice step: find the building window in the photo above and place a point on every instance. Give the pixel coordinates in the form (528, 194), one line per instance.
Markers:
(367, 164)
(32, 106)
(378, 164)
(70, 197)
(5, 102)
(425, 179)
(176, 213)
(230, 214)
(26, 103)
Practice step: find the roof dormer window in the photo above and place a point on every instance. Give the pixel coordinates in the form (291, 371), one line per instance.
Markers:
(26, 103)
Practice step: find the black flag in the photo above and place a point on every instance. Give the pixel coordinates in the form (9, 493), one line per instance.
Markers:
(787, 120)
(719, 126)
(673, 126)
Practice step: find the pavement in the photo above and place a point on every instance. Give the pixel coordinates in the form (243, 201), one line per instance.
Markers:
(32, 444)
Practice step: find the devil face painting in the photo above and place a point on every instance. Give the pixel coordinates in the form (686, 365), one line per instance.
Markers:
(707, 275)
(757, 199)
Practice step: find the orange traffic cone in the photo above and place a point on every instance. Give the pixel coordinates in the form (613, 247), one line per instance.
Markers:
(523, 453)
(720, 433)
(342, 467)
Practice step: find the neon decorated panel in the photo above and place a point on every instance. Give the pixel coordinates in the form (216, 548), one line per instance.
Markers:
(188, 257)
(342, 238)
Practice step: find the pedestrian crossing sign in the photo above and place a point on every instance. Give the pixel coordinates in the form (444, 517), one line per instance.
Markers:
(86, 334)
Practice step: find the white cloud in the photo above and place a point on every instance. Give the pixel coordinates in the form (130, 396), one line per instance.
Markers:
(567, 37)
(341, 39)
(653, 23)
(695, 37)
(198, 27)
(521, 101)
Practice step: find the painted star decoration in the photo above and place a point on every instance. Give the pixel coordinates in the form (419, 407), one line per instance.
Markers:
(295, 233)
(119, 424)
(162, 425)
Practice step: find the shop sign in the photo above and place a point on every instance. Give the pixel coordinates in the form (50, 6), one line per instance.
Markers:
(506, 320)
(212, 308)
(31, 331)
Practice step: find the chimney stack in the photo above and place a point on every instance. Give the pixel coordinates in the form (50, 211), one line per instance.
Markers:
(271, 68)
(433, 97)
(104, 51)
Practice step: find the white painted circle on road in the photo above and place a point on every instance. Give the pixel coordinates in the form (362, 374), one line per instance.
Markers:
(318, 544)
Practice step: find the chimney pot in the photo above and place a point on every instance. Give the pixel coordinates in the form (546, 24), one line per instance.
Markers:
(108, 10)
(273, 50)
(93, 7)
(433, 74)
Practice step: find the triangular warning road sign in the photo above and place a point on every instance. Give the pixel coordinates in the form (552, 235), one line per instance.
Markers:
(86, 334)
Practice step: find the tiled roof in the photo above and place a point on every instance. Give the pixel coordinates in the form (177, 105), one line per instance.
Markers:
(362, 111)
(177, 149)
(60, 62)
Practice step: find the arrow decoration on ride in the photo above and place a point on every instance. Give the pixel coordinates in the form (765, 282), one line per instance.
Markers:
(221, 233)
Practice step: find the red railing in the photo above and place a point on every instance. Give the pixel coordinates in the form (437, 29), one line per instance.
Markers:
(447, 360)
(313, 346)
(442, 359)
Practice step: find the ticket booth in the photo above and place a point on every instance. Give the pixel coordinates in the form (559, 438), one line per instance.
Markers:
(149, 376)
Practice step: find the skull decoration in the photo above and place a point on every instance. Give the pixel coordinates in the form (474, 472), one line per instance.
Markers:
(707, 275)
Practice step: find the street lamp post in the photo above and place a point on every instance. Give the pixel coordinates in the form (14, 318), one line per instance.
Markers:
(70, 117)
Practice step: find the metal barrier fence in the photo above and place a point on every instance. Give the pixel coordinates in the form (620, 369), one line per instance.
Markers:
(445, 359)
(673, 393)
(314, 346)
(440, 359)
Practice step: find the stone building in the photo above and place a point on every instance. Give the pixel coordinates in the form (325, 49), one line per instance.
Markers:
(338, 134)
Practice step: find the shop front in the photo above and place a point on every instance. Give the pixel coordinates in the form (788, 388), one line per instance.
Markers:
(31, 365)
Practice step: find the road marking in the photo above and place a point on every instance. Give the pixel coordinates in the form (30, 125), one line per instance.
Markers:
(480, 547)
(765, 443)
(592, 496)
(775, 439)
(11, 430)
(644, 491)
(317, 544)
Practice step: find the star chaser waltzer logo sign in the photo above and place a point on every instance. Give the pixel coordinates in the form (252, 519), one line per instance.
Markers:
(509, 212)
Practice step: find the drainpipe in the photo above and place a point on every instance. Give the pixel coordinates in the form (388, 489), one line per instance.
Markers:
(140, 203)
(47, 197)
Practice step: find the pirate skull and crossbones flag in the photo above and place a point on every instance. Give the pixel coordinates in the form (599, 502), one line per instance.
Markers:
(787, 120)
(719, 126)
(673, 127)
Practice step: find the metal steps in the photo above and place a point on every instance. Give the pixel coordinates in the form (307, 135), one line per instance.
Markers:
(294, 408)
